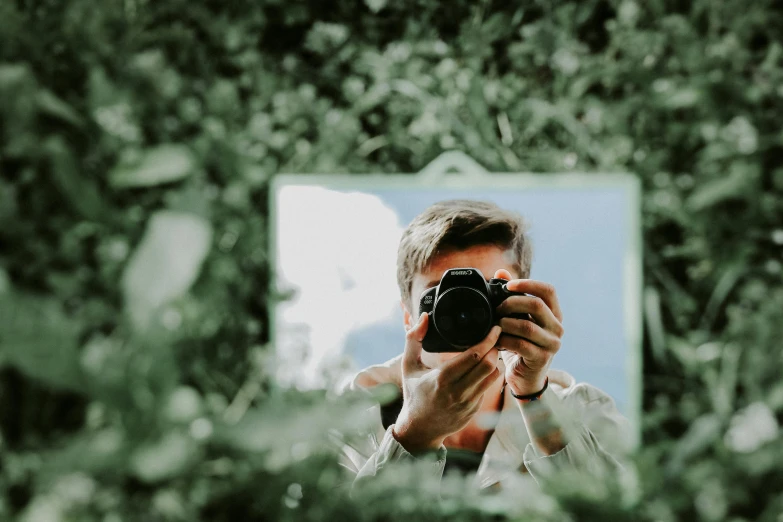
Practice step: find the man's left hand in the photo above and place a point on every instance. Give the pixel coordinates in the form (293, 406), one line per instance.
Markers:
(528, 346)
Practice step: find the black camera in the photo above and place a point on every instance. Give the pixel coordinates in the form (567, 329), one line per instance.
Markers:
(461, 309)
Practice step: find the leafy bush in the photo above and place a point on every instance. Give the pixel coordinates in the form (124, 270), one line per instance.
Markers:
(136, 143)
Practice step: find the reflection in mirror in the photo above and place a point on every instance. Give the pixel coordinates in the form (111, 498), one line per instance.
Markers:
(336, 242)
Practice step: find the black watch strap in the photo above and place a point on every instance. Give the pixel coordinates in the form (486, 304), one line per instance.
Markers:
(533, 396)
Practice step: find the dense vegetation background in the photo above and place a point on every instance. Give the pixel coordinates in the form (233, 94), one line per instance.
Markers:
(137, 140)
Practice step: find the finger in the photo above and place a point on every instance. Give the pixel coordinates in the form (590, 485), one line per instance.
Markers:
(454, 369)
(530, 304)
(477, 400)
(488, 381)
(475, 407)
(532, 355)
(411, 358)
(529, 330)
(479, 372)
(503, 274)
(539, 289)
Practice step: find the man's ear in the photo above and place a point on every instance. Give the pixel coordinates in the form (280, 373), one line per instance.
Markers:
(407, 318)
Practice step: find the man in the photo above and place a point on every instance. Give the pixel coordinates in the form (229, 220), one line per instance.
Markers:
(496, 408)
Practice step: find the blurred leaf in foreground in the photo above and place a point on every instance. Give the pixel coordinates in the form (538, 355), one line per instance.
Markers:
(288, 432)
(163, 164)
(37, 338)
(165, 264)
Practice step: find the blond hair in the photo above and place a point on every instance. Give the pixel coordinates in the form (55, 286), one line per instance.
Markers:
(455, 225)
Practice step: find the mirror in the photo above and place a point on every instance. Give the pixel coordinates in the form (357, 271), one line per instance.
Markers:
(335, 241)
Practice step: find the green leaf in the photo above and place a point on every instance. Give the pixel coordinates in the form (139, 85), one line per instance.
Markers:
(14, 78)
(17, 100)
(39, 340)
(717, 191)
(703, 432)
(163, 164)
(104, 450)
(385, 393)
(683, 98)
(81, 192)
(325, 37)
(295, 427)
(376, 5)
(163, 459)
(720, 293)
(50, 104)
(165, 264)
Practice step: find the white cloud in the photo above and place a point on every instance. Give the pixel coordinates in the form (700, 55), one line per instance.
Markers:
(339, 251)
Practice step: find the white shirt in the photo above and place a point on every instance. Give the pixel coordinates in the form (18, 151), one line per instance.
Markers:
(598, 435)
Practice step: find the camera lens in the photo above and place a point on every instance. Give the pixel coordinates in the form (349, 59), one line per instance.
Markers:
(462, 316)
(446, 323)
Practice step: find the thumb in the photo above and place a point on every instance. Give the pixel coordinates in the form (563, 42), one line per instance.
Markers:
(411, 359)
(503, 274)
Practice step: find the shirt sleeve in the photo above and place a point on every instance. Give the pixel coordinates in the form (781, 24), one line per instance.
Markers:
(598, 439)
(367, 455)
(582, 454)
(390, 451)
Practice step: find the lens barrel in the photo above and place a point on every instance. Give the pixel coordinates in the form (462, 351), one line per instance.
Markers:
(463, 316)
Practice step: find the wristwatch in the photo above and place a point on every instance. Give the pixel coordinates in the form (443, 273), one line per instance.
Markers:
(533, 396)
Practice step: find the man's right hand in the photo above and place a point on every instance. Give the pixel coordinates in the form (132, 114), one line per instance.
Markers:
(441, 401)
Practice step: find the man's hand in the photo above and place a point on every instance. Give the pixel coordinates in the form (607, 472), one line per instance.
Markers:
(441, 401)
(529, 346)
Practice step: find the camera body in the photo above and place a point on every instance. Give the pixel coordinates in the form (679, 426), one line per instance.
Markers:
(461, 309)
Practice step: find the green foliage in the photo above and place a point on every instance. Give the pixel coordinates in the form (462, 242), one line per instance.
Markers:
(136, 143)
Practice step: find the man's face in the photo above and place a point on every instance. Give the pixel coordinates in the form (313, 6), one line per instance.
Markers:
(487, 258)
